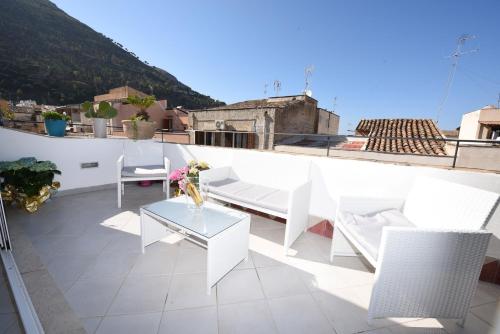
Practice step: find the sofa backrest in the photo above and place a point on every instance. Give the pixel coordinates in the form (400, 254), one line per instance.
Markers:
(274, 170)
(142, 153)
(436, 203)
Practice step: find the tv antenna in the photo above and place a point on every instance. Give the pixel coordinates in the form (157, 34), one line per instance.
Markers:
(277, 87)
(265, 90)
(308, 74)
(455, 56)
(498, 101)
(334, 104)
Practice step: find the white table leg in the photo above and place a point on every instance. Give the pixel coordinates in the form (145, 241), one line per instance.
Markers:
(226, 250)
(151, 230)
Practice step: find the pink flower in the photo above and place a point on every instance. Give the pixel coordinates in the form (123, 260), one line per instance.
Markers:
(177, 174)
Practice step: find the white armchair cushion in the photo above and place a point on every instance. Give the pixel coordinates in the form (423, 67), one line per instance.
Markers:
(144, 171)
(368, 228)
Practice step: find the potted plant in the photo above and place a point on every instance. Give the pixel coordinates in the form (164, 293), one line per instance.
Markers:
(139, 126)
(28, 182)
(55, 123)
(100, 116)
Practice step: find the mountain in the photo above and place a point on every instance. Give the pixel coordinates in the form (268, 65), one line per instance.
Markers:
(51, 57)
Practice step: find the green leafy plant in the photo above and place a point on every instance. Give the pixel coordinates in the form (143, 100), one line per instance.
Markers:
(142, 103)
(103, 110)
(27, 175)
(54, 115)
(6, 113)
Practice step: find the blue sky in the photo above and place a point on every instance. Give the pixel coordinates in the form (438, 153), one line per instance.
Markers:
(381, 59)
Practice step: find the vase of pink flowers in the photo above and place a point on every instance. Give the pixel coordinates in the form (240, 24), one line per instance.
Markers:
(185, 180)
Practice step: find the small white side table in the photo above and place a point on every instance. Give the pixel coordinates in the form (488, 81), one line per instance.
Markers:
(223, 231)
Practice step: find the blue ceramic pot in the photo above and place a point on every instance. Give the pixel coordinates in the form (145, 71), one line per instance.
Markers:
(55, 127)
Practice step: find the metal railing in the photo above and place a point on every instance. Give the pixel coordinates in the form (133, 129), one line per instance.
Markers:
(268, 140)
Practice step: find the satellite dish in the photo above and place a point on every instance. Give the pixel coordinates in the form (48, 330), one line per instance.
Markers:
(308, 92)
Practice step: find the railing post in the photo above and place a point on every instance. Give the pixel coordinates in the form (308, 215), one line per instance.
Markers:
(233, 139)
(328, 146)
(456, 153)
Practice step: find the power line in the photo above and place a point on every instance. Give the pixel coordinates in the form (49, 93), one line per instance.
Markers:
(451, 76)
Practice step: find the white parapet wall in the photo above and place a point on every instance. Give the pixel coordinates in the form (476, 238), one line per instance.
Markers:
(330, 176)
(67, 153)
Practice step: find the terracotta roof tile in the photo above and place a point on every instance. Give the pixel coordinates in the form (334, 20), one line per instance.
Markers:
(404, 129)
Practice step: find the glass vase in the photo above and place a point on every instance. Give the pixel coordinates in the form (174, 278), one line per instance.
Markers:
(194, 200)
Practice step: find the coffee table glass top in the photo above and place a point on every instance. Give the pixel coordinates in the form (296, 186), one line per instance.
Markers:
(208, 222)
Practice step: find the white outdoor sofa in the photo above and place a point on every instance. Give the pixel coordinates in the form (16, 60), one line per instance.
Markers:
(278, 187)
(428, 249)
(142, 160)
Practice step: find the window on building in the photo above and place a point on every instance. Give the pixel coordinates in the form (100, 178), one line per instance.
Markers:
(169, 123)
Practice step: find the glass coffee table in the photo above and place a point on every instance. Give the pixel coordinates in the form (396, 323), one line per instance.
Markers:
(223, 231)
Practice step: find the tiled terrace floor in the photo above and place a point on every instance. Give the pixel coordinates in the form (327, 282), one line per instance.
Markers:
(92, 249)
(9, 320)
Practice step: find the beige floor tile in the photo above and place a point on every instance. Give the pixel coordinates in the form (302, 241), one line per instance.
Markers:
(473, 325)
(191, 260)
(190, 321)
(6, 299)
(246, 318)
(489, 313)
(130, 324)
(92, 298)
(239, 286)
(299, 314)
(155, 262)
(67, 269)
(141, 295)
(111, 265)
(189, 291)
(281, 281)
(91, 324)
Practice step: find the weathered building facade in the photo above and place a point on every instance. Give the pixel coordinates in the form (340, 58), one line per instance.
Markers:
(255, 123)
(328, 122)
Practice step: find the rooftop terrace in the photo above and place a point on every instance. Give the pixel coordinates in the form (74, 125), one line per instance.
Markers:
(80, 256)
(93, 256)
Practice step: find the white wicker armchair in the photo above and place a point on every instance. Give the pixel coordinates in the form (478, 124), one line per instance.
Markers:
(428, 255)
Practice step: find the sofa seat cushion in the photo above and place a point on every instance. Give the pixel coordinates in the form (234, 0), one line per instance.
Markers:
(254, 194)
(144, 171)
(227, 187)
(368, 228)
(276, 201)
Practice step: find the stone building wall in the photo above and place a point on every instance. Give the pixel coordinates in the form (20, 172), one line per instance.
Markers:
(300, 117)
(328, 122)
(246, 120)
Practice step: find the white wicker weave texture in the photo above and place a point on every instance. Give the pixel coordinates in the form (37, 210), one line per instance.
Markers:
(427, 273)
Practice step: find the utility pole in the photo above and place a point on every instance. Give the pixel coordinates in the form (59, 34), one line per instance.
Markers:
(455, 56)
(308, 74)
(277, 87)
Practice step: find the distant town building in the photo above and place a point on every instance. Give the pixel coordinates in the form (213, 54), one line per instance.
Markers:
(481, 124)
(328, 122)
(173, 119)
(411, 136)
(259, 123)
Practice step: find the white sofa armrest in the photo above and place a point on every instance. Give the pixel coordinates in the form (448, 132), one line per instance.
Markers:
(119, 167)
(367, 205)
(298, 213)
(215, 174)
(166, 165)
(427, 272)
